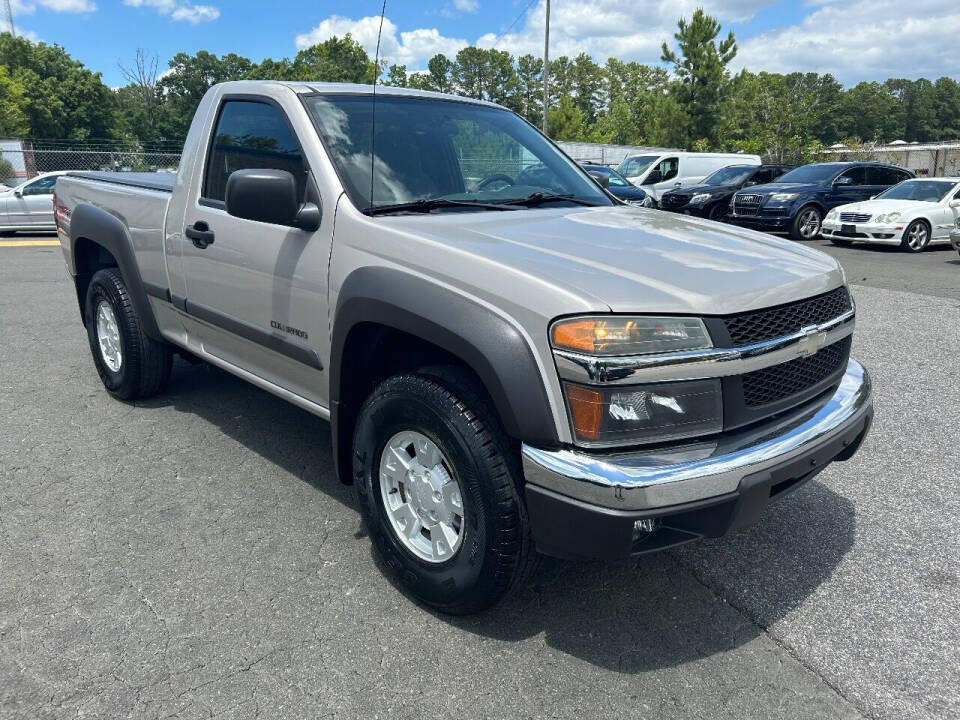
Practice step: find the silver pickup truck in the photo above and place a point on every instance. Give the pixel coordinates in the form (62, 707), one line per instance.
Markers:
(512, 361)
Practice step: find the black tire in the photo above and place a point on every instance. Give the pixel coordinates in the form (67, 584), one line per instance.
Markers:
(842, 242)
(916, 238)
(717, 212)
(798, 228)
(496, 553)
(144, 370)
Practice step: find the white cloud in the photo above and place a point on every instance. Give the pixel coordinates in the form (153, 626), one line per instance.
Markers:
(29, 7)
(411, 48)
(863, 40)
(196, 13)
(178, 10)
(853, 39)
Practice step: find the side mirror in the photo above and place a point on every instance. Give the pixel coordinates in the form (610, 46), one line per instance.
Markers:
(602, 179)
(955, 203)
(843, 180)
(269, 196)
(750, 183)
(655, 176)
(18, 192)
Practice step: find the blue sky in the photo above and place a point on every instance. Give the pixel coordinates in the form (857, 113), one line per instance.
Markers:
(854, 39)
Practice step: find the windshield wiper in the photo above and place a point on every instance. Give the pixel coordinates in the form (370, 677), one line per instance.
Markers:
(539, 198)
(429, 205)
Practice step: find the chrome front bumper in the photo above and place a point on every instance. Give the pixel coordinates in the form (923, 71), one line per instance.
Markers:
(643, 480)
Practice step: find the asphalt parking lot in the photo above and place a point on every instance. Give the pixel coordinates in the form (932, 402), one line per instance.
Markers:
(194, 556)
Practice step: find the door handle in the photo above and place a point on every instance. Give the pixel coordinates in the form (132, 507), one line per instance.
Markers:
(678, 184)
(200, 234)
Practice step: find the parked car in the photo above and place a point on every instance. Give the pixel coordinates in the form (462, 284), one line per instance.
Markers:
(619, 186)
(797, 201)
(914, 214)
(657, 173)
(29, 205)
(711, 199)
(506, 371)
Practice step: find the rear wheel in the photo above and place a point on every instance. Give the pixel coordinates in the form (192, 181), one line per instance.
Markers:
(916, 237)
(437, 483)
(130, 364)
(806, 225)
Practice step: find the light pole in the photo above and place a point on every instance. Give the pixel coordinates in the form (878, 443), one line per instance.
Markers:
(10, 17)
(546, 69)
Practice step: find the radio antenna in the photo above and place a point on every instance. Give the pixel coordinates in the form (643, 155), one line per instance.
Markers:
(373, 119)
(13, 31)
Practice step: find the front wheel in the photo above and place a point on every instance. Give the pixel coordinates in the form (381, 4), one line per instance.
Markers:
(717, 212)
(806, 225)
(916, 237)
(437, 483)
(130, 364)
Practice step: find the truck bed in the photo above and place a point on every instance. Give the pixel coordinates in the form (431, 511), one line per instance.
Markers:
(161, 181)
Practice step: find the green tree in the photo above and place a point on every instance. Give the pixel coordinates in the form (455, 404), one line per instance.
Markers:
(62, 99)
(530, 88)
(440, 69)
(336, 60)
(868, 111)
(566, 120)
(700, 66)
(397, 76)
(587, 85)
(13, 114)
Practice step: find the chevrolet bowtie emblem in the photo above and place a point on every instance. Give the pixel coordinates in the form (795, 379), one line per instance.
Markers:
(811, 342)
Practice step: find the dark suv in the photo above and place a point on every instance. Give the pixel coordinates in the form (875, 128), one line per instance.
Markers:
(711, 198)
(797, 201)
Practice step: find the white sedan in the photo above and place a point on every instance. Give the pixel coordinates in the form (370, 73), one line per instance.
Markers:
(28, 206)
(913, 214)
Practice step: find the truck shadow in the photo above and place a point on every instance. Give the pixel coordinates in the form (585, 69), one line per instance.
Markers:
(657, 611)
(671, 608)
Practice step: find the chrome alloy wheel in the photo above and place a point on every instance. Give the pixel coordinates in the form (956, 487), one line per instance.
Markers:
(918, 236)
(809, 224)
(108, 336)
(421, 497)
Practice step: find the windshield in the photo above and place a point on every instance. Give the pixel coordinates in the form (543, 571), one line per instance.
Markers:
(428, 149)
(634, 166)
(729, 176)
(924, 190)
(810, 174)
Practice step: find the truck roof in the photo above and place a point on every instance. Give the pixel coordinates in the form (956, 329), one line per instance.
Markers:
(305, 88)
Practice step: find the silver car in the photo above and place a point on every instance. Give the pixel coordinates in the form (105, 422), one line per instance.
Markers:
(29, 206)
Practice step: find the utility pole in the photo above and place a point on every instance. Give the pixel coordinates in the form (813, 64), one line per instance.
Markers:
(546, 68)
(10, 17)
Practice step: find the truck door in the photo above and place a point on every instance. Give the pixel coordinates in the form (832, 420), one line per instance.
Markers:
(257, 291)
(663, 177)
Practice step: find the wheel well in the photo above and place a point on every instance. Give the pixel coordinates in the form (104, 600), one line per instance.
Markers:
(89, 257)
(371, 353)
(809, 203)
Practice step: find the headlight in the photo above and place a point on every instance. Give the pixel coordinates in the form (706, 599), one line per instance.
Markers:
(832, 215)
(888, 218)
(783, 197)
(700, 198)
(645, 413)
(612, 335)
(646, 202)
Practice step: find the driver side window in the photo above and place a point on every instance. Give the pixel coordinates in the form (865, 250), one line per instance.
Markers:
(44, 186)
(857, 175)
(669, 168)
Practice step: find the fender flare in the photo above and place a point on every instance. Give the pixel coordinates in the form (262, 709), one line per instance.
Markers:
(91, 223)
(486, 342)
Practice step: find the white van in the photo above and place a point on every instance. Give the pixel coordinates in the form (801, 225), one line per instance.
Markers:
(657, 173)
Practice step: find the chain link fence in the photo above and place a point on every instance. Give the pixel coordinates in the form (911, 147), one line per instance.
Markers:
(22, 160)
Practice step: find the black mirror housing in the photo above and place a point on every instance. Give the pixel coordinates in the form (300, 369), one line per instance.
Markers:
(268, 196)
(602, 179)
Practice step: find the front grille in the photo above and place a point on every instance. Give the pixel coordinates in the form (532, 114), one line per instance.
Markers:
(851, 217)
(759, 325)
(746, 204)
(771, 384)
(670, 201)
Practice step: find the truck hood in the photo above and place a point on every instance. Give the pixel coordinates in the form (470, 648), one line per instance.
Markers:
(629, 259)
